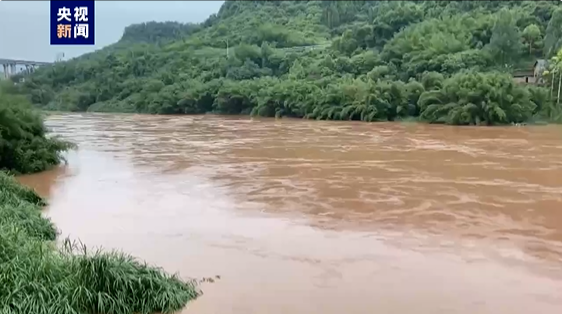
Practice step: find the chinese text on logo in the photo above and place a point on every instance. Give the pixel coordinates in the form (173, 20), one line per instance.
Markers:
(72, 23)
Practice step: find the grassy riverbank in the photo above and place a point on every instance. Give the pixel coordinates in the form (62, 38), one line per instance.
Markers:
(36, 275)
(38, 278)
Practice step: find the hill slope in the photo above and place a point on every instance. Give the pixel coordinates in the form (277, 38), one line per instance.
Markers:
(445, 62)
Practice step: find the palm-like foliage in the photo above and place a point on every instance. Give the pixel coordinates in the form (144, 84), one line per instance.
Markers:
(476, 98)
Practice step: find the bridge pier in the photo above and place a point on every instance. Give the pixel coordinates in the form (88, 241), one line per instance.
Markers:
(9, 69)
(10, 66)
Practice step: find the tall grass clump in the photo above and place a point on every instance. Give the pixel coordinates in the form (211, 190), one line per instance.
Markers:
(37, 277)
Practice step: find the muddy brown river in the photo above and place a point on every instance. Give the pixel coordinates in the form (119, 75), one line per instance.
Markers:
(308, 217)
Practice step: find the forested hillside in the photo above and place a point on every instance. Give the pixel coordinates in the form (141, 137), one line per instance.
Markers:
(442, 61)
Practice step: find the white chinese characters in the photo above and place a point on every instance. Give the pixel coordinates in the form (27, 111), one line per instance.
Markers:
(81, 30)
(63, 14)
(81, 14)
(73, 24)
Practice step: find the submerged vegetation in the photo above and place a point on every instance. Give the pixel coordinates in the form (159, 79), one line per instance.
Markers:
(441, 61)
(38, 277)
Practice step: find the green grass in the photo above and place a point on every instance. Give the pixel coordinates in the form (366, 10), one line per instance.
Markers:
(38, 277)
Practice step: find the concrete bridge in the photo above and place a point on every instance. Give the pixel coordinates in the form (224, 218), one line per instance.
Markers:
(10, 66)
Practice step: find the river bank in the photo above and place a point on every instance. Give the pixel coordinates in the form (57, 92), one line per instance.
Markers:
(38, 277)
(535, 121)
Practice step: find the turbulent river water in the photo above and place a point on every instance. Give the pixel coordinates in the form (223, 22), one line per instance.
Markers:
(307, 217)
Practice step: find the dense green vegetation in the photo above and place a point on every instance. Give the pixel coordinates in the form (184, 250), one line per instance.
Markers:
(35, 275)
(24, 146)
(442, 61)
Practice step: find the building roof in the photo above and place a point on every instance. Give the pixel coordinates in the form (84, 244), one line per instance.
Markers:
(540, 67)
(541, 63)
(522, 73)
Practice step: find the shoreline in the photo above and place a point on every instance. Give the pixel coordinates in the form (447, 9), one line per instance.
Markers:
(412, 120)
(43, 278)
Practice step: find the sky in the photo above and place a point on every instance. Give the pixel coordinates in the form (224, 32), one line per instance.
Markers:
(24, 25)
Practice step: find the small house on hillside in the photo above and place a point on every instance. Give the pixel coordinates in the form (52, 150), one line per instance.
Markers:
(524, 76)
(532, 75)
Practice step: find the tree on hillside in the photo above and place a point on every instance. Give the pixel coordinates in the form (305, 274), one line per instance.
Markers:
(553, 36)
(391, 17)
(556, 64)
(531, 34)
(505, 45)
